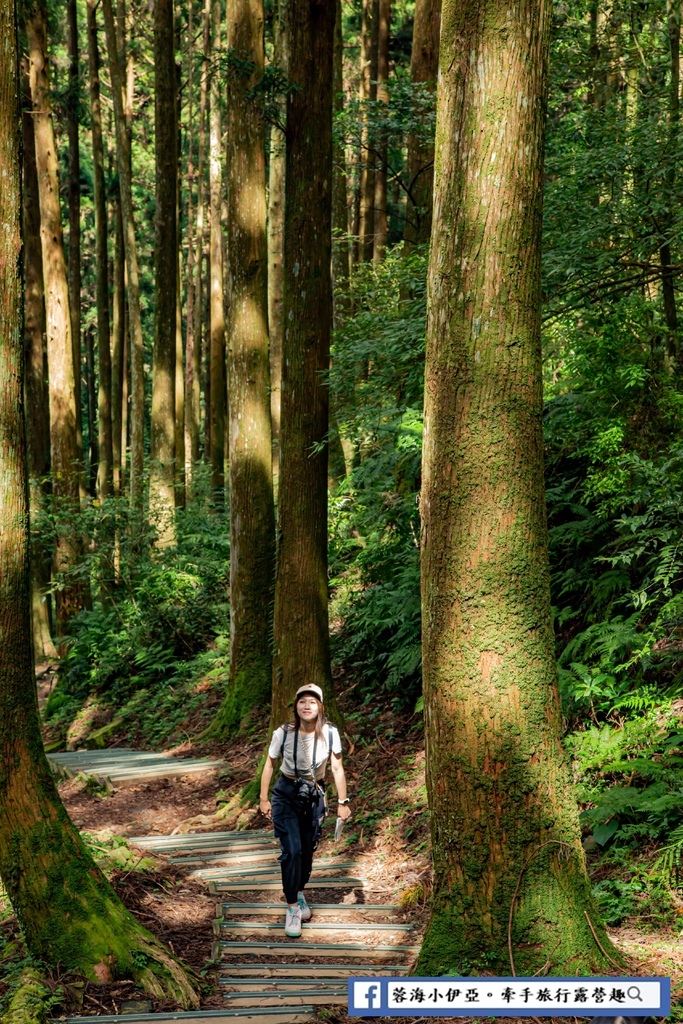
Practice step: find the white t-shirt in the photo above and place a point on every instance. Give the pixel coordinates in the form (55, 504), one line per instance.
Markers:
(308, 741)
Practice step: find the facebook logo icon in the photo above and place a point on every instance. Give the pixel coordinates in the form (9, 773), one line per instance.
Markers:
(367, 995)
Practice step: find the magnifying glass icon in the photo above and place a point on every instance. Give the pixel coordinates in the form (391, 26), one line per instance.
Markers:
(633, 992)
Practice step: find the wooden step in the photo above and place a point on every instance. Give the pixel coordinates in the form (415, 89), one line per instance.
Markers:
(277, 984)
(315, 997)
(318, 971)
(222, 840)
(269, 872)
(324, 909)
(245, 856)
(217, 885)
(295, 947)
(268, 1015)
(221, 926)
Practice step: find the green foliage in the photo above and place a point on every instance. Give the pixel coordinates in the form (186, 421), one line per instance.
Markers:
(376, 387)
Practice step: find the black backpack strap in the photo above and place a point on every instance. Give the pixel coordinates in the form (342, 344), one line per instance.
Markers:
(296, 747)
(329, 739)
(284, 740)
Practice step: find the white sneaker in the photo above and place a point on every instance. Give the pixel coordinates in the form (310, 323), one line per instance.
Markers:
(303, 907)
(293, 922)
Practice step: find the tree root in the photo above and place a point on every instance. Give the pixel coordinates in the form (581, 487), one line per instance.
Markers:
(163, 976)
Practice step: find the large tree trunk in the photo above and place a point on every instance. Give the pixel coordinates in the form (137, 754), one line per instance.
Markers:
(424, 64)
(199, 301)
(105, 471)
(383, 32)
(66, 455)
(368, 91)
(217, 316)
(673, 13)
(504, 821)
(91, 399)
(301, 632)
(276, 227)
(161, 477)
(137, 383)
(36, 386)
(252, 526)
(74, 264)
(67, 910)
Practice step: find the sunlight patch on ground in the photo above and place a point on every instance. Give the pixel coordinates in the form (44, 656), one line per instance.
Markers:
(655, 953)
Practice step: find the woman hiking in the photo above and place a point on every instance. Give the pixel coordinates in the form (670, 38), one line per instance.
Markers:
(297, 809)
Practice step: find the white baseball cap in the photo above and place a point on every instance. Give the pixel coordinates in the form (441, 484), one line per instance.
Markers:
(313, 690)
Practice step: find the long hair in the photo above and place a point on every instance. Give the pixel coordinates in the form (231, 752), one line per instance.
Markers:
(320, 721)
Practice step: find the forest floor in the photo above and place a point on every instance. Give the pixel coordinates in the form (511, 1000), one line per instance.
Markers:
(388, 835)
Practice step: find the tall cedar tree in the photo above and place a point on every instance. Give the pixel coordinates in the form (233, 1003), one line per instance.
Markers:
(301, 629)
(368, 91)
(68, 912)
(276, 227)
(35, 383)
(74, 264)
(252, 525)
(120, 99)
(340, 250)
(424, 64)
(192, 319)
(504, 820)
(65, 453)
(161, 477)
(383, 39)
(216, 417)
(104, 418)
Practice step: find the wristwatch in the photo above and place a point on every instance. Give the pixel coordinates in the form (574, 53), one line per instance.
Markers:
(343, 801)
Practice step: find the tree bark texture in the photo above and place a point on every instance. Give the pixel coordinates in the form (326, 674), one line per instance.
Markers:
(424, 64)
(192, 334)
(340, 232)
(91, 398)
(65, 453)
(301, 633)
(199, 301)
(383, 31)
(673, 15)
(137, 370)
(35, 385)
(104, 412)
(162, 461)
(74, 263)
(252, 526)
(276, 227)
(502, 807)
(368, 91)
(217, 314)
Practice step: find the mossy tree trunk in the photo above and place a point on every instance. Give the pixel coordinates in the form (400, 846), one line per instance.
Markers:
(276, 227)
(65, 453)
(252, 527)
(216, 423)
(301, 625)
(123, 161)
(162, 461)
(503, 811)
(104, 417)
(424, 64)
(68, 912)
(35, 384)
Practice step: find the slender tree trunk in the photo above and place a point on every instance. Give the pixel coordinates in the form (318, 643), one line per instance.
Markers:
(504, 821)
(119, 96)
(424, 63)
(191, 417)
(179, 475)
(36, 387)
(93, 441)
(276, 226)
(74, 264)
(65, 453)
(201, 335)
(217, 316)
(368, 91)
(340, 232)
(673, 13)
(105, 471)
(301, 632)
(118, 442)
(161, 478)
(252, 526)
(383, 31)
